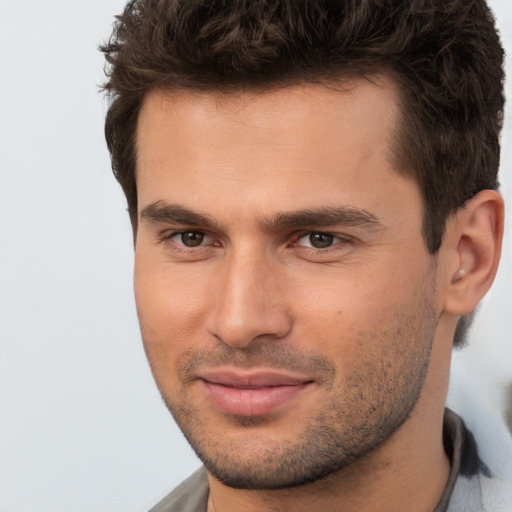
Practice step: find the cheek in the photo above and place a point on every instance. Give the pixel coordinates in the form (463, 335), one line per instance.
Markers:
(353, 312)
(167, 298)
(170, 308)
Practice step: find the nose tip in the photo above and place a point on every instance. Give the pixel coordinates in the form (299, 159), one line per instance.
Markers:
(250, 306)
(238, 331)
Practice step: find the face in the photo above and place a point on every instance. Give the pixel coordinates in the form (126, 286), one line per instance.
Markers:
(286, 298)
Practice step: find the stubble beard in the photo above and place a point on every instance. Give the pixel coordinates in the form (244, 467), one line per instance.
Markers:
(363, 410)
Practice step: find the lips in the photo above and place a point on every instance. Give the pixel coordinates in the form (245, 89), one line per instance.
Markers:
(252, 394)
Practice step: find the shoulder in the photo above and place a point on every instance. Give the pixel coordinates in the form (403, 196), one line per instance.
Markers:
(484, 479)
(190, 496)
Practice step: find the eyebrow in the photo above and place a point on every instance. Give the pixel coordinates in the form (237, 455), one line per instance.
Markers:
(163, 212)
(324, 217)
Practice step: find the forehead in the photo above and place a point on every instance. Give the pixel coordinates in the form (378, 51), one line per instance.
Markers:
(260, 114)
(278, 146)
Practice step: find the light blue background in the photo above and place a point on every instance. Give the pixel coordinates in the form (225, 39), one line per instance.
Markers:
(82, 427)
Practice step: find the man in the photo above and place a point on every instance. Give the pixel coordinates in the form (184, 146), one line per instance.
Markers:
(312, 189)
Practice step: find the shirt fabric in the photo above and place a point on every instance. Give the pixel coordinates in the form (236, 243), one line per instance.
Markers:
(471, 485)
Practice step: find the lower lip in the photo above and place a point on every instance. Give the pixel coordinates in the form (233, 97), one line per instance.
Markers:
(251, 402)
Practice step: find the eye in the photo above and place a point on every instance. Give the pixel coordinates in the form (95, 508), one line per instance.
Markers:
(189, 238)
(318, 240)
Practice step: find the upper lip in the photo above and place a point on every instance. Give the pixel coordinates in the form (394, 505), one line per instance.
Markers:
(252, 379)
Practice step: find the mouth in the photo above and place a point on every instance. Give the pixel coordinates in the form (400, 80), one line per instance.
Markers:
(254, 393)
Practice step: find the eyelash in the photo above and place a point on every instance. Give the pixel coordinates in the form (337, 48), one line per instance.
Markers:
(168, 238)
(336, 240)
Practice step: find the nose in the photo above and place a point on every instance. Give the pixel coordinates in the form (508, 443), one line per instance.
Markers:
(250, 302)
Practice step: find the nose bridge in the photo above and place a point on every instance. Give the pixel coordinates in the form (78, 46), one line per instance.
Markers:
(249, 302)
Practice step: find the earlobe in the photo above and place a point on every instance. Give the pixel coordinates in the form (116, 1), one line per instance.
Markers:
(475, 236)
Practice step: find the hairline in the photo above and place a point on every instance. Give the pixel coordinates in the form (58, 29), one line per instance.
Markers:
(333, 81)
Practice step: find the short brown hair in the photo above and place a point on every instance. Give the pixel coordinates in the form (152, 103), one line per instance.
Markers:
(445, 56)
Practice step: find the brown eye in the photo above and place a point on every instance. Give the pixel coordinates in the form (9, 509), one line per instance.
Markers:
(321, 240)
(191, 238)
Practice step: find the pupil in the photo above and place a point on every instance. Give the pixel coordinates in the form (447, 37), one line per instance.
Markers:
(192, 238)
(320, 240)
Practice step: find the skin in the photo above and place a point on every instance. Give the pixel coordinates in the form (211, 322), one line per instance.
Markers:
(366, 318)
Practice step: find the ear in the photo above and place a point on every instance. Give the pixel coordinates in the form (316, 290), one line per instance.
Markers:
(474, 236)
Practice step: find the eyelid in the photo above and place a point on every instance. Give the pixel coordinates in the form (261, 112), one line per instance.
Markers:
(170, 236)
(337, 239)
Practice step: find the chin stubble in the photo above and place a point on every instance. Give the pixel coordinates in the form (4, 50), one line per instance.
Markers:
(364, 409)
